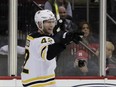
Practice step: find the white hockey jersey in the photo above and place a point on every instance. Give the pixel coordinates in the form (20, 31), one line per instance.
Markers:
(37, 70)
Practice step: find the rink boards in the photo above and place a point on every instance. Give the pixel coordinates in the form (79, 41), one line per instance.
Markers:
(65, 82)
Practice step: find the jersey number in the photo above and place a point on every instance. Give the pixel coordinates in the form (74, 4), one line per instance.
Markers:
(26, 59)
(44, 40)
(26, 56)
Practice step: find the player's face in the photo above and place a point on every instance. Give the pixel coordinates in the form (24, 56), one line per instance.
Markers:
(48, 26)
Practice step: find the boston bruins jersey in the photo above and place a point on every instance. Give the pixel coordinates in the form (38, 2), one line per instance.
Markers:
(37, 70)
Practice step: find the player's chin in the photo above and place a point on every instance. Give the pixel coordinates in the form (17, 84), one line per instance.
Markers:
(50, 31)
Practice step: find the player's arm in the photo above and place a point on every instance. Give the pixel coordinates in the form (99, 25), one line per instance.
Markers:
(54, 50)
(62, 40)
(4, 50)
(59, 45)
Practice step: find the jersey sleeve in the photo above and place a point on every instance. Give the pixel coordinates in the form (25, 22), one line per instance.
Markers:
(54, 50)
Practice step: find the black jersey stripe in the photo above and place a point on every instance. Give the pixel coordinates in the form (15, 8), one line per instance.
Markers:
(35, 82)
(43, 50)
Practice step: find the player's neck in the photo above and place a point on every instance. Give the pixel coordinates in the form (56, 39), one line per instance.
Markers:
(42, 32)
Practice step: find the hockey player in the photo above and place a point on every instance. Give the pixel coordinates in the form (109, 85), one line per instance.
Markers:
(41, 49)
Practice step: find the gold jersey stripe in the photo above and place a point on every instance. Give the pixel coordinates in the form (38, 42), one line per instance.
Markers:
(30, 38)
(44, 52)
(44, 84)
(38, 78)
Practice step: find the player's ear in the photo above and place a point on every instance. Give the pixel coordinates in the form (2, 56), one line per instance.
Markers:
(40, 25)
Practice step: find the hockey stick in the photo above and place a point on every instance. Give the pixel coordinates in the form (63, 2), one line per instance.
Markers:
(38, 5)
(83, 44)
(111, 18)
(56, 9)
(57, 14)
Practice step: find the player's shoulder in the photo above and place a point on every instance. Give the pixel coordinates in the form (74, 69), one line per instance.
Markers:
(35, 35)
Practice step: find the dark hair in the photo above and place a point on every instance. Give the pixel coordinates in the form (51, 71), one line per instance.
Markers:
(82, 23)
(81, 27)
(65, 2)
